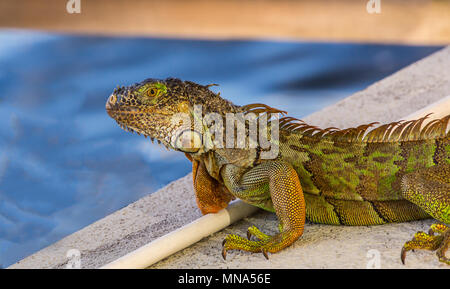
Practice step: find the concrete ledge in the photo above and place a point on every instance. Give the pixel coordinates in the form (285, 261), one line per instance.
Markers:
(321, 246)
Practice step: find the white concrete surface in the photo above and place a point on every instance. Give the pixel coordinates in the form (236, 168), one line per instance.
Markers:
(321, 246)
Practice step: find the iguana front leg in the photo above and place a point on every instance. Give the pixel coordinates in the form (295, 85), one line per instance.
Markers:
(430, 189)
(274, 186)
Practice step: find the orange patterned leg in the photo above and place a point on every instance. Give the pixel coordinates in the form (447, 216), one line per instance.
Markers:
(278, 181)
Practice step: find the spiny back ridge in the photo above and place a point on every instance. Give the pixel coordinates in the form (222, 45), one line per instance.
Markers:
(398, 131)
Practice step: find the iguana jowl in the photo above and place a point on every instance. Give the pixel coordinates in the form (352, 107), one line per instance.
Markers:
(396, 172)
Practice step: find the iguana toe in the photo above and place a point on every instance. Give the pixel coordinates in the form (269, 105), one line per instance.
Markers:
(266, 244)
(254, 231)
(437, 228)
(434, 242)
(235, 242)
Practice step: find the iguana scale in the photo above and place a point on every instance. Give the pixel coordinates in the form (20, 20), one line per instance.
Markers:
(395, 172)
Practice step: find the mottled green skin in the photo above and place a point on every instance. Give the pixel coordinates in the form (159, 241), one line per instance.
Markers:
(354, 183)
(367, 175)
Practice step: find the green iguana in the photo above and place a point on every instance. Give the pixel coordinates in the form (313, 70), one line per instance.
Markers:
(395, 172)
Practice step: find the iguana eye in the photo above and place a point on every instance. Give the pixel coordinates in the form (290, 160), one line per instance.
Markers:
(152, 92)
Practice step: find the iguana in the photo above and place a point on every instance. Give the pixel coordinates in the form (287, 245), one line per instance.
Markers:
(395, 172)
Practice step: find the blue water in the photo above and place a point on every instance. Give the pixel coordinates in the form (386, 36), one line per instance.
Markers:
(65, 164)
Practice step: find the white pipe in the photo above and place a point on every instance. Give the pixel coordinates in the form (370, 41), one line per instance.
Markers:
(206, 225)
(183, 237)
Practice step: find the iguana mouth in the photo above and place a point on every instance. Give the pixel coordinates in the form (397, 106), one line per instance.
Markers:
(113, 105)
(131, 118)
(122, 114)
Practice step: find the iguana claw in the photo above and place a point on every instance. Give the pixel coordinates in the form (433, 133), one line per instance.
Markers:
(224, 251)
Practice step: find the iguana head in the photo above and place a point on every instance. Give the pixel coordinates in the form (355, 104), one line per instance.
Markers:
(164, 110)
